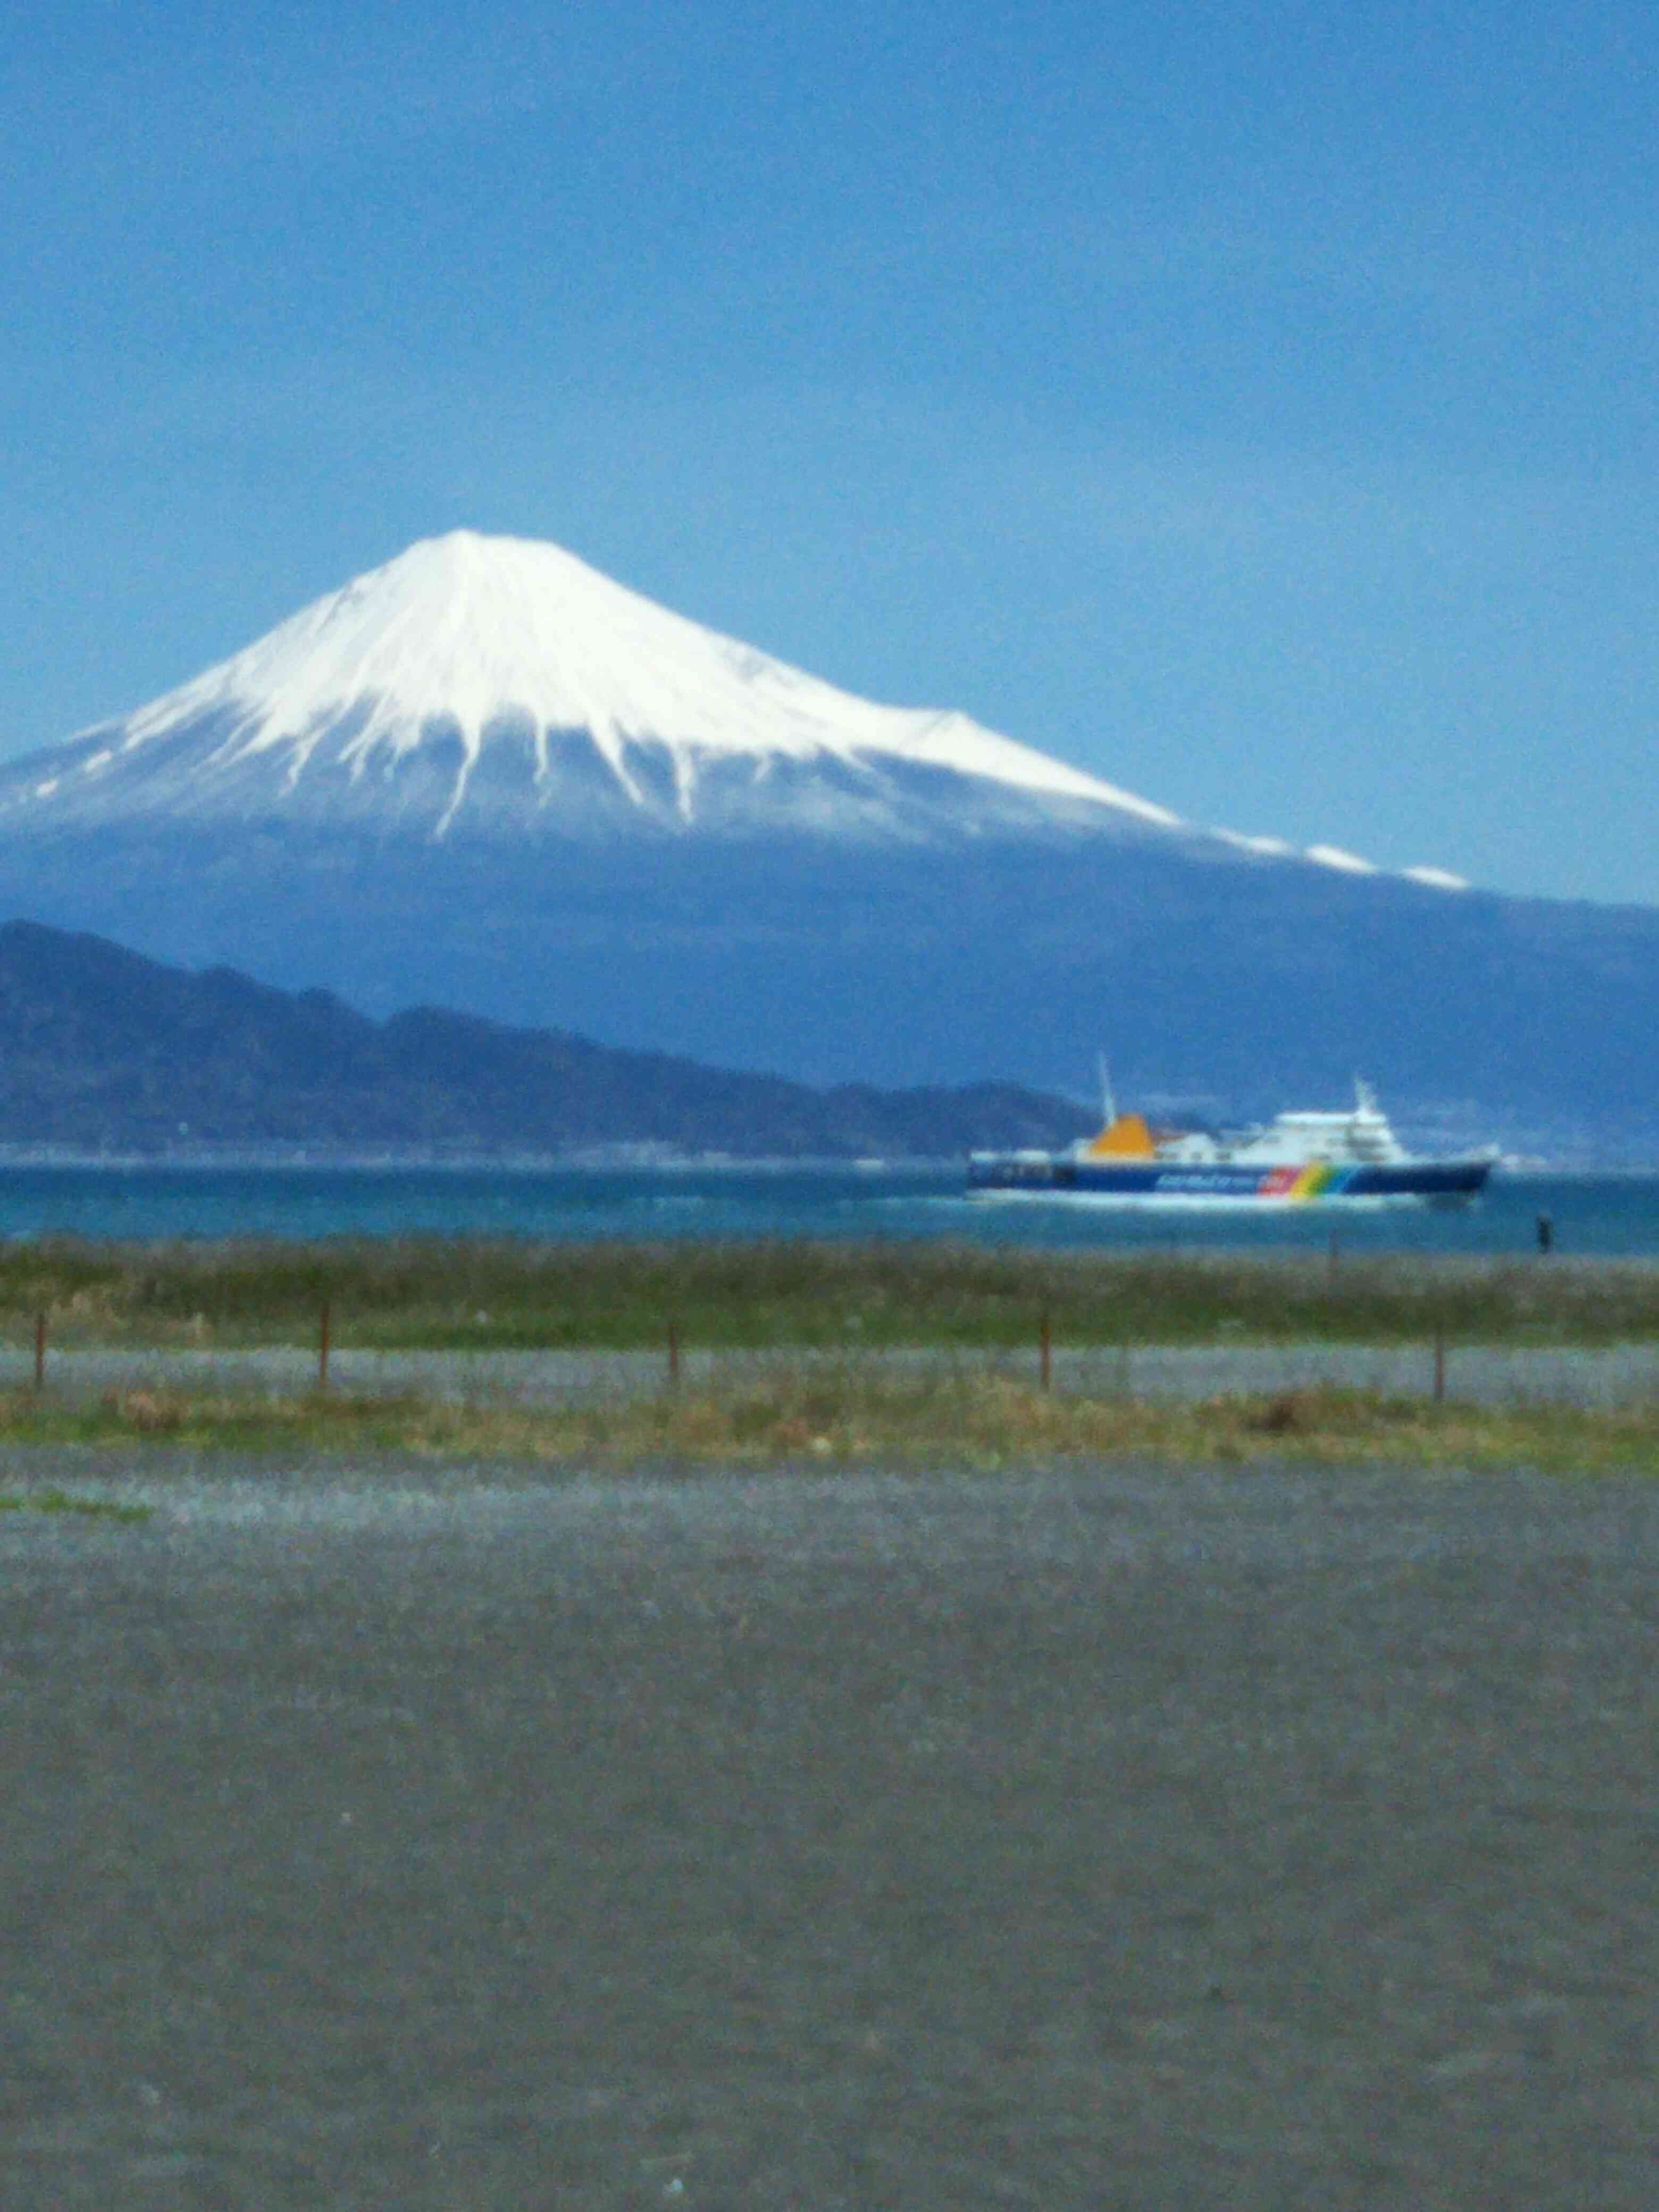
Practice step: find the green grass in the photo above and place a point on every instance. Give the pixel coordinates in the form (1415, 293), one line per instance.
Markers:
(852, 1416)
(64, 1501)
(480, 1294)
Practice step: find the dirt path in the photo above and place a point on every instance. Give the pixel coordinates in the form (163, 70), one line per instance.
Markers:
(1488, 1374)
(1106, 1839)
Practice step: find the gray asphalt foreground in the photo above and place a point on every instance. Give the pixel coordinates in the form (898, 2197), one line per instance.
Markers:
(1109, 1837)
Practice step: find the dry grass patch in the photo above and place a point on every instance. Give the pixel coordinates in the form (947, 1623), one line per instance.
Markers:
(151, 1413)
(852, 1418)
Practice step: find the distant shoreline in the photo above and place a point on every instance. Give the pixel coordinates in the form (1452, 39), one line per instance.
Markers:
(620, 1159)
(605, 1159)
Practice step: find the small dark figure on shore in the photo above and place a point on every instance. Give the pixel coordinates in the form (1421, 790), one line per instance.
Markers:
(1546, 1232)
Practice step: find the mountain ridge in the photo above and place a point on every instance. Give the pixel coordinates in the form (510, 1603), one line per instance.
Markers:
(580, 707)
(829, 913)
(101, 1049)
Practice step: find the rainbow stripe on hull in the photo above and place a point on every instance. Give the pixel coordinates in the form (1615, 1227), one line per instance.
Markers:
(1431, 1182)
(1301, 1158)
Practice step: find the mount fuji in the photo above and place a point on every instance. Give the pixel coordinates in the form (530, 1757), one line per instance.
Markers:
(500, 687)
(486, 776)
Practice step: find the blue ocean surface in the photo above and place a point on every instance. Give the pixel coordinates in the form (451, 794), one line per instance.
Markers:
(1588, 1216)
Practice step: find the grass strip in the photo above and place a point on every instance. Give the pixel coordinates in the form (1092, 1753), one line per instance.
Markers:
(482, 1294)
(830, 1418)
(64, 1501)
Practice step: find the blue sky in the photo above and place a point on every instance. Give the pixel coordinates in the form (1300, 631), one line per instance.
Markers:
(1254, 403)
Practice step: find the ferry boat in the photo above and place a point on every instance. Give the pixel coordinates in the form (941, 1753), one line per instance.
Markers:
(1297, 1159)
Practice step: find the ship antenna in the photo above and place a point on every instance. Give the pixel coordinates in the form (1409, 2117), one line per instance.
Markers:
(1108, 1104)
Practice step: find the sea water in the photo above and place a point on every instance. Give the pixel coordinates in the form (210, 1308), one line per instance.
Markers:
(1588, 1216)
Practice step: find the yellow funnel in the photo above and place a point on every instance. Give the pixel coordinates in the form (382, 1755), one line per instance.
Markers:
(1128, 1139)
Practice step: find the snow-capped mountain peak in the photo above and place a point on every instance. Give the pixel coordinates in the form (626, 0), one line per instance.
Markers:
(500, 685)
(501, 639)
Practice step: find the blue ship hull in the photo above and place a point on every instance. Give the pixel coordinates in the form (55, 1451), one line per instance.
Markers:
(1443, 1183)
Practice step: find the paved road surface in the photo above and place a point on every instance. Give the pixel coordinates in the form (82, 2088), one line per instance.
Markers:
(1491, 1376)
(1107, 1839)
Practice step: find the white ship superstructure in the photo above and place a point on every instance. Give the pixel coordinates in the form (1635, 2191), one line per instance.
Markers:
(1298, 1157)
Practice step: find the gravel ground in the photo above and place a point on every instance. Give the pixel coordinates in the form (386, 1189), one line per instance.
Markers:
(1104, 1837)
(1482, 1374)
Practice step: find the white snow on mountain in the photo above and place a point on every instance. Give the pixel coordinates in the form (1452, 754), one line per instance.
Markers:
(480, 630)
(1439, 879)
(515, 650)
(1333, 856)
